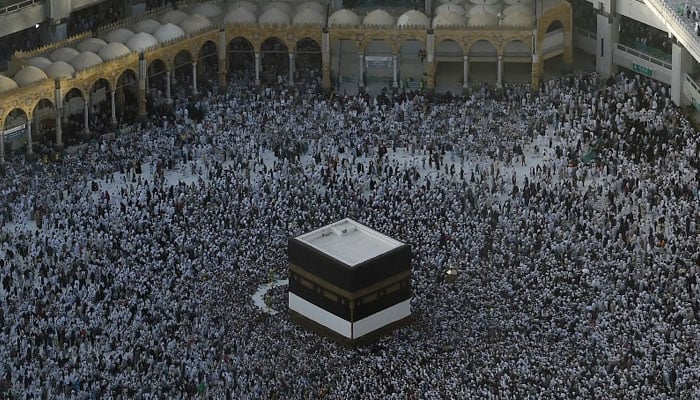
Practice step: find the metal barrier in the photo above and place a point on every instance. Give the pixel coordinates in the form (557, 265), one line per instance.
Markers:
(7, 8)
(644, 56)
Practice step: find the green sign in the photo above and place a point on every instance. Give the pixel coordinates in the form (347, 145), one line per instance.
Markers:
(642, 70)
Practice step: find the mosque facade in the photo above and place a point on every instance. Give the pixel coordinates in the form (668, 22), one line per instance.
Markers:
(276, 41)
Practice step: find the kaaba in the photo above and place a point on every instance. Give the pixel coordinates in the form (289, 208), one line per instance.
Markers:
(349, 282)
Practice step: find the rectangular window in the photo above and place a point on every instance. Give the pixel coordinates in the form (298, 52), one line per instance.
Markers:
(602, 52)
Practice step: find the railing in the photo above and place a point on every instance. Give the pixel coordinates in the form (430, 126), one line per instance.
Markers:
(652, 51)
(585, 33)
(6, 9)
(695, 101)
(692, 82)
(644, 56)
(676, 25)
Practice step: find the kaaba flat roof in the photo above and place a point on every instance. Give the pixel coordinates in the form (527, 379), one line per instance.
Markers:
(349, 241)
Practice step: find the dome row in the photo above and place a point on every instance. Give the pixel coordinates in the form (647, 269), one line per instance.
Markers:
(175, 24)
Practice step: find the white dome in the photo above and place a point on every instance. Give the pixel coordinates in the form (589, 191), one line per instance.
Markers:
(309, 16)
(63, 54)
(413, 18)
(483, 18)
(517, 8)
(28, 75)
(278, 5)
(195, 23)
(318, 7)
(7, 84)
(457, 9)
(252, 7)
(59, 69)
(85, 60)
(173, 16)
(452, 1)
(91, 44)
(120, 35)
(241, 16)
(378, 18)
(208, 10)
(274, 16)
(518, 19)
(483, 9)
(146, 25)
(39, 62)
(343, 17)
(168, 32)
(448, 19)
(141, 41)
(113, 51)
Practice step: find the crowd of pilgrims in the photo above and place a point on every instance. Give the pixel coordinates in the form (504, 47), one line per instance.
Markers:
(127, 269)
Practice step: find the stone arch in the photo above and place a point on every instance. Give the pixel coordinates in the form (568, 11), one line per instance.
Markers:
(122, 74)
(126, 97)
(483, 61)
(476, 42)
(44, 100)
(517, 61)
(308, 59)
(378, 68)
(207, 63)
(73, 114)
(412, 67)
(14, 116)
(17, 140)
(240, 58)
(274, 60)
(100, 105)
(345, 65)
(449, 66)
(43, 118)
(554, 25)
(156, 75)
(552, 17)
(182, 70)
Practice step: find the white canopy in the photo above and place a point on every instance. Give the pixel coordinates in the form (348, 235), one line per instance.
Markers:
(39, 62)
(146, 25)
(207, 10)
(173, 16)
(168, 32)
(252, 7)
(85, 60)
(194, 23)
(448, 19)
(113, 51)
(413, 18)
(91, 44)
(344, 17)
(120, 35)
(309, 16)
(378, 18)
(59, 69)
(63, 54)
(241, 16)
(28, 75)
(7, 84)
(141, 41)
